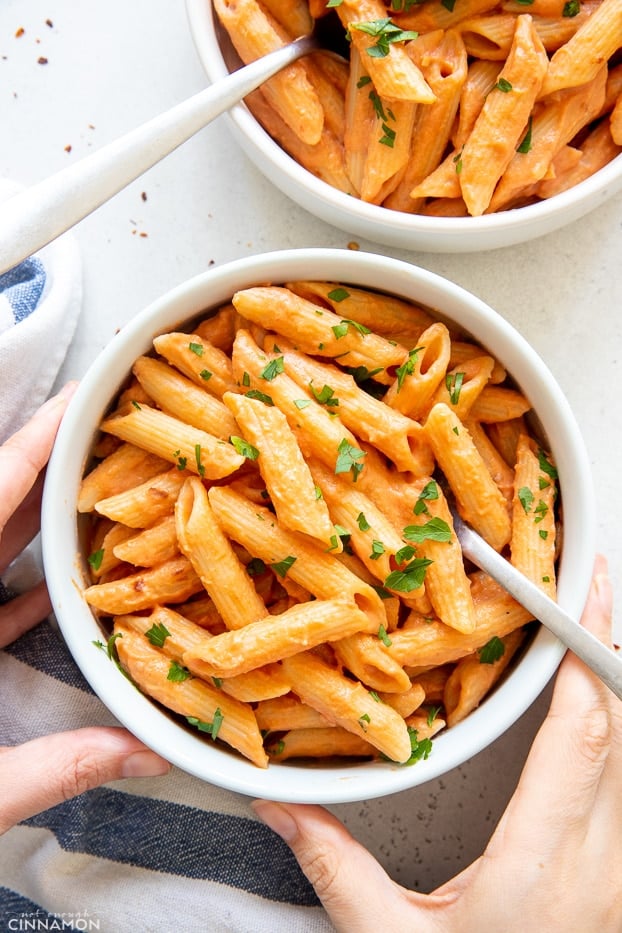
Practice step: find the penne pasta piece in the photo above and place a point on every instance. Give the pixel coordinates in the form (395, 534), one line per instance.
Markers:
(461, 351)
(366, 657)
(316, 330)
(348, 704)
(219, 328)
(472, 679)
(183, 399)
(478, 499)
(463, 385)
(293, 15)
(480, 80)
(436, 15)
(126, 467)
(173, 440)
(287, 712)
(533, 541)
(173, 581)
(423, 726)
(324, 159)
(196, 358)
(581, 57)
(106, 535)
(597, 150)
(320, 743)
(283, 468)
(487, 152)
(151, 546)
(496, 403)
(231, 721)
(504, 435)
(502, 474)
(388, 148)
(554, 125)
(145, 504)
(443, 63)
(384, 314)
(210, 552)
(405, 703)
(254, 33)
(419, 377)
(275, 637)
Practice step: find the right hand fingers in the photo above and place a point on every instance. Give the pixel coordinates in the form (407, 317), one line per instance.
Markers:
(49, 770)
(355, 890)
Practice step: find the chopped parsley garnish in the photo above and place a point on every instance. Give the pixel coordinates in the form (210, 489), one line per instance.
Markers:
(386, 33)
(244, 448)
(95, 559)
(181, 461)
(135, 404)
(525, 497)
(453, 383)
(384, 638)
(260, 396)
(572, 8)
(543, 533)
(302, 402)
(282, 566)
(362, 373)
(410, 578)
(246, 379)
(324, 396)
(197, 457)
(377, 549)
(205, 374)
(363, 721)
(525, 146)
(157, 634)
(255, 567)
(274, 367)
(503, 85)
(213, 728)
(217, 681)
(109, 647)
(362, 522)
(178, 673)
(540, 511)
(196, 348)
(388, 137)
(545, 464)
(347, 459)
(340, 294)
(408, 367)
(436, 529)
(492, 651)
(429, 493)
(363, 81)
(449, 5)
(420, 749)
(404, 554)
(375, 696)
(432, 714)
(342, 328)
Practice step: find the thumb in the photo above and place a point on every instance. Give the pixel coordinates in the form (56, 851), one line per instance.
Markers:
(354, 889)
(46, 771)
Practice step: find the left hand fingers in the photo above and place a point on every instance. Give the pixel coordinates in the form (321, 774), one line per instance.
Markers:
(25, 454)
(23, 612)
(22, 526)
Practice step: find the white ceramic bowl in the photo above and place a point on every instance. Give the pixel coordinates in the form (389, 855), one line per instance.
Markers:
(65, 564)
(392, 228)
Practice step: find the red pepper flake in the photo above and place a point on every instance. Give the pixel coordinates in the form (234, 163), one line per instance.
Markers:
(42, 60)
(143, 195)
(19, 32)
(143, 234)
(49, 23)
(353, 246)
(68, 147)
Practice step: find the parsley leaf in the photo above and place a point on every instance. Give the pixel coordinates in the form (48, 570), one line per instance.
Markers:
(244, 448)
(272, 370)
(410, 578)
(436, 529)
(213, 728)
(157, 634)
(347, 459)
(282, 566)
(492, 651)
(339, 293)
(177, 673)
(386, 33)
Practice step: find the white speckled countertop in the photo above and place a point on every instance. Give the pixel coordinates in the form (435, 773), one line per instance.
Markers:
(110, 65)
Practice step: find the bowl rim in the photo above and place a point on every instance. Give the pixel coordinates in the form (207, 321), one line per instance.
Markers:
(461, 234)
(64, 568)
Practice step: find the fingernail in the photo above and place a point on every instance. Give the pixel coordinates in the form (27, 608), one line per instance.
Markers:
(277, 818)
(62, 396)
(144, 764)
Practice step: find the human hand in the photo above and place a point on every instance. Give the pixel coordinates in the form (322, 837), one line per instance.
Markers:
(48, 770)
(553, 863)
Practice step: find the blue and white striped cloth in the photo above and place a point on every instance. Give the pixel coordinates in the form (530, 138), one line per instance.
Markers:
(151, 855)
(20, 291)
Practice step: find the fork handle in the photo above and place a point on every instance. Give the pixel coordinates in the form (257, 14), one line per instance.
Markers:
(36, 216)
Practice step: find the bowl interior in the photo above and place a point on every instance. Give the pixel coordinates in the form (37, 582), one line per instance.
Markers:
(392, 228)
(65, 567)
